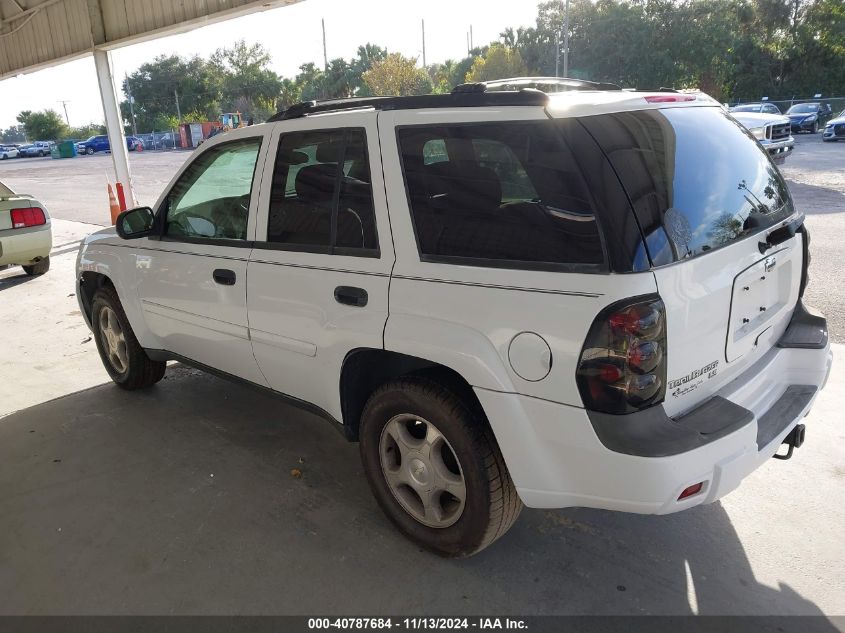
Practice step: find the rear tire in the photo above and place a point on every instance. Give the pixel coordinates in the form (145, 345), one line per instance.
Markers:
(420, 443)
(123, 357)
(38, 268)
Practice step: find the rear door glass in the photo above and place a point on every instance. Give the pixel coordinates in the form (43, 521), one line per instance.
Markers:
(697, 180)
(503, 194)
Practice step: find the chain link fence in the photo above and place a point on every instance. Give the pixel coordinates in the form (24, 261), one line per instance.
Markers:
(837, 103)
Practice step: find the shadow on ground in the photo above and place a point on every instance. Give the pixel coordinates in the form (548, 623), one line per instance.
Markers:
(180, 499)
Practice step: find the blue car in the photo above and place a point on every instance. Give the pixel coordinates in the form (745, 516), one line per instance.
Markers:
(100, 143)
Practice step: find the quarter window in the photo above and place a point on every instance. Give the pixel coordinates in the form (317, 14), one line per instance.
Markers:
(499, 194)
(211, 199)
(321, 199)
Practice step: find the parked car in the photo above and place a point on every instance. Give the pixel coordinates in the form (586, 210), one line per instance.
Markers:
(759, 108)
(25, 232)
(809, 117)
(100, 143)
(506, 297)
(38, 148)
(8, 151)
(835, 128)
(772, 131)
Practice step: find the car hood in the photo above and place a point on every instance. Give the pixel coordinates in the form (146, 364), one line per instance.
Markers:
(837, 121)
(800, 116)
(758, 119)
(106, 233)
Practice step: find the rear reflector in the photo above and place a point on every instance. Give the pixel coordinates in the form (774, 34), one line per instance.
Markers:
(669, 98)
(23, 218)
(691, 490)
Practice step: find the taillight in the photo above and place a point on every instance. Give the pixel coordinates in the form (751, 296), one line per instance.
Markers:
(805, 264)
(623, 364)
(23, 218)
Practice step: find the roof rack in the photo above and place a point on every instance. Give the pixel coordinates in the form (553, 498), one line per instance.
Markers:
(458, 98)
(563, 83)
(516, 91)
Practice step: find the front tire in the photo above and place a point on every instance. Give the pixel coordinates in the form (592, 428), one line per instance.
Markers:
(123, 357)
(815, 129)
(89, 150)
(38, 268)
(435, 468)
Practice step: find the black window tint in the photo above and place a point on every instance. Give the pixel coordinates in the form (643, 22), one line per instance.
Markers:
(696, 178)
(506, 192)
(322, 193)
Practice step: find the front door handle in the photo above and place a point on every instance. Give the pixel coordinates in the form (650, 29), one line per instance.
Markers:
(224, 276)
(351, 296)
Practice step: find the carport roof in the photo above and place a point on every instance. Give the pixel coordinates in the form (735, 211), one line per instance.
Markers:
(36, 34)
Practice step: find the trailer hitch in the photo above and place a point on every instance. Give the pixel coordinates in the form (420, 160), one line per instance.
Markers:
(794, 440)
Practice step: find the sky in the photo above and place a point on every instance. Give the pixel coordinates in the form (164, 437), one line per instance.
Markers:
(292, 35)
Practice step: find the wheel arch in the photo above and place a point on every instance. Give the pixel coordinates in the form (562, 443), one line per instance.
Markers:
(89, 282)
(365, 369)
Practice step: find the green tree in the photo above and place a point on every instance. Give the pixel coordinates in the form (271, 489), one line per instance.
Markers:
(499, 62)
(247, 84)
(13, 134)
(155, 85)
(397, 75)
(46, 125)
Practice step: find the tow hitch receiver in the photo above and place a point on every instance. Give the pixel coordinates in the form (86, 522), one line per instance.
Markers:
(794, 440)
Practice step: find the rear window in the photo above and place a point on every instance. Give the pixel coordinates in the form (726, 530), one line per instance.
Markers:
(504, 194)
(698, 181)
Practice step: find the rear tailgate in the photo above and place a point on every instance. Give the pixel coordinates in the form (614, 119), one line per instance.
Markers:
(706, 197)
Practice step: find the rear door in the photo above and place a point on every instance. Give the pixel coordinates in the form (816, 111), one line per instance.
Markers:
(320, 270)
(706, 197)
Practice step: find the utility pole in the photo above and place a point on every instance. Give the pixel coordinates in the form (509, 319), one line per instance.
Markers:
(557, 54)
(178, 111)
(470, 37)
(64, 105)
(566, 40)
(131, 105)
(423, 38)
(325, 57)
(469, 50)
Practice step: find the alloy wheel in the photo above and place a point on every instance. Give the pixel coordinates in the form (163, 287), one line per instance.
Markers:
(114, 340)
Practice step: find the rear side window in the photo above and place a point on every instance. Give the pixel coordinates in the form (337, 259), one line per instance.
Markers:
(506, 194)
(698, 181)
(321, 199)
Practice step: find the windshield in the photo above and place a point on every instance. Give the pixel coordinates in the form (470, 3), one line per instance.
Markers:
(749, 107)
(803, 108)
(698, 181)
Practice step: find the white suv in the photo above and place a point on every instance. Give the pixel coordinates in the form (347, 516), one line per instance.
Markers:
(585, 299)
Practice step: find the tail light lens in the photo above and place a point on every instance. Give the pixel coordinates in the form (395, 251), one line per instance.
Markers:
(623, 364)
(23, 218)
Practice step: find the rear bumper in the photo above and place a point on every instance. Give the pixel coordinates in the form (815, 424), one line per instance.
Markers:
(556, 458)
(22, 246)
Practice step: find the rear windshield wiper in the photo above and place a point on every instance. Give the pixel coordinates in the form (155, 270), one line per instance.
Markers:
(779, 235)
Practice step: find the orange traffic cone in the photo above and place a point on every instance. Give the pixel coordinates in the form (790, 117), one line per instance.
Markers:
(114, 207)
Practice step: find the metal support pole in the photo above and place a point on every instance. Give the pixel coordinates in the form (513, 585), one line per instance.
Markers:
(114, 122)
(566, 40)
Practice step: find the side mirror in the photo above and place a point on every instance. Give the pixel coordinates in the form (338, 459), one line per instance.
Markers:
(135, 223)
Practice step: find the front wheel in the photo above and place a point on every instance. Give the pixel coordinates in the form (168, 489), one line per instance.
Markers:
(435, 468)
(815, 128)
(89, 150)
(123, 357)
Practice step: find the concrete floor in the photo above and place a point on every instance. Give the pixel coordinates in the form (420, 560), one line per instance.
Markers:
(179, 500)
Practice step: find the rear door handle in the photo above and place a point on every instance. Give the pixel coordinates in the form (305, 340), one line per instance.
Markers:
(351, 296)
(224, 276)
